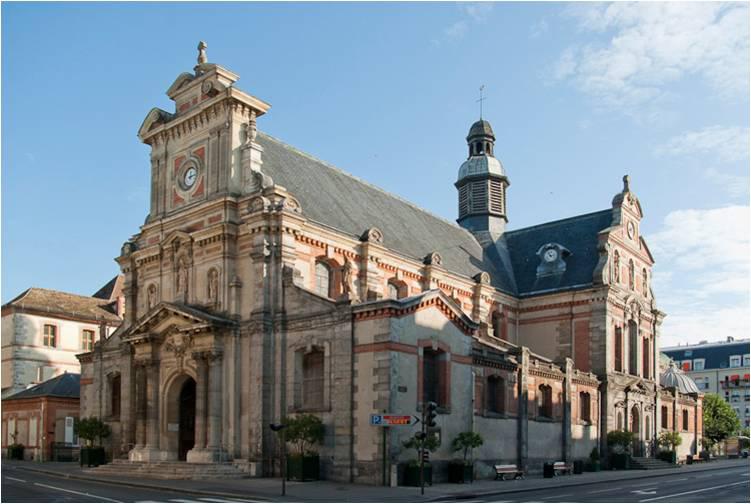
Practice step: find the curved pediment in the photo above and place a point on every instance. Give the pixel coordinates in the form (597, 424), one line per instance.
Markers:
(155, 117)
(182, 80)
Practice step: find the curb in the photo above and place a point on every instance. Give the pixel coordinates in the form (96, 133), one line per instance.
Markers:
(137, 484)
(624, 477)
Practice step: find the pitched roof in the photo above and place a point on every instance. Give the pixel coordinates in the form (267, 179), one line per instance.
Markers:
(578, 234)
(715, 356)
(64, 303)
(337, 199)
(112, 289)
(64, 385)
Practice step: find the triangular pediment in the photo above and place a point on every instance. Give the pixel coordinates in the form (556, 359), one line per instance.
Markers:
(168, 317)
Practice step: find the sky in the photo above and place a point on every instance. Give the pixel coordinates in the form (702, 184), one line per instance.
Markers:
(578, 95)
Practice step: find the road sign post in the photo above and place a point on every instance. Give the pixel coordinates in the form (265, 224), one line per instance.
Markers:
(387, 420)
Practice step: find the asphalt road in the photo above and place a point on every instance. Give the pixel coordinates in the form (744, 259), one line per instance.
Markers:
(731, 485)
(26, 486)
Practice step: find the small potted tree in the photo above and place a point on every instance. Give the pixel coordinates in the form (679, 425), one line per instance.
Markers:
(412, 471)
(15, 450)
(303, 433)
(594, 460)
(90, 430)
(619, 443)
(462, 471)
(669, 440)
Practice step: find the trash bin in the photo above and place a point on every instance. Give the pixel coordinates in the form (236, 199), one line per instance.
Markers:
(689, 459)
(548, 470)
(578, 466)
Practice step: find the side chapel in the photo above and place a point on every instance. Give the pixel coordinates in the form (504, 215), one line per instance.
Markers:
(265, 283)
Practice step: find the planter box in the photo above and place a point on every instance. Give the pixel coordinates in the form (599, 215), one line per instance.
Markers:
(459, 472)
(620, 461)
(93, 456)
(15, 452)
(667, 456)
(593, 466)
(303, 468)
(412, 475)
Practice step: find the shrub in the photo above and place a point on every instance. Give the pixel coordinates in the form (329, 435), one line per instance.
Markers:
(620, 441)
(594, 455)
(467, 441)
(669, 439)
(430, 443)
(303, 432)
(90, 429)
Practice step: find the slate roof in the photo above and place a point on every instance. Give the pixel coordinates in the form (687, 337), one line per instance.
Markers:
(675, 378)
(112, 289)
(716, 356)
(578, 234)
(64, 303)
(337, 199)
(64, 385)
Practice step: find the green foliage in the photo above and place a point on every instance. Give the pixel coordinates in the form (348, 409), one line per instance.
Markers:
(467, 441)
(620, 440)
(430, 443)
(720, 420)
(669, 439)
(90, 429)
(594, 455)
(303, 432)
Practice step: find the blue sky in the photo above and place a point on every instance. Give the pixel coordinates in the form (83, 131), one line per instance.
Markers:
(578, 95)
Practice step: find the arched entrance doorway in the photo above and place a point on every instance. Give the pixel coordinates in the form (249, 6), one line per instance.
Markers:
(187, 418)
(635, 428)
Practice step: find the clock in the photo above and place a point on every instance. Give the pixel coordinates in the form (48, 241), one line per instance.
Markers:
(631, 230)
(189, 177)
(550, 255)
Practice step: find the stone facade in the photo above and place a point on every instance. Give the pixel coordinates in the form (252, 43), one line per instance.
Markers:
(249, 299)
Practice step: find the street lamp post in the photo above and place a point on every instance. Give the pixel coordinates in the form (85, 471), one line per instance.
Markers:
(280, 429)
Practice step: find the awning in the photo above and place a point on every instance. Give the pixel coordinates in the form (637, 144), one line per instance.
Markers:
(735, 377)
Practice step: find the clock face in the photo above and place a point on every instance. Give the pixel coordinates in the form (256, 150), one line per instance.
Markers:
(631, 229)
(189, 178)
(551, 255)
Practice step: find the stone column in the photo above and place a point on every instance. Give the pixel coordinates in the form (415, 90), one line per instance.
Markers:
(201, 389)
(140, 405)
(152, 409)
(567, 400)
(523, 415)
(215, 402)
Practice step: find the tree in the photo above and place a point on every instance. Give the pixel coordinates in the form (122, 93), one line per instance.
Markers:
(669, 439)
(429, 443)
(90, 429)
(720, 420)
(304, 431)
(467, 441)
(620, 440)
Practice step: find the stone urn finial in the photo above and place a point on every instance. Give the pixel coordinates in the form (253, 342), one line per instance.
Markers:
(626, 183)
(202, 52)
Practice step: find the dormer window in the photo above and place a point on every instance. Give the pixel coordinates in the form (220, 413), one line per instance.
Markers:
(552, 259)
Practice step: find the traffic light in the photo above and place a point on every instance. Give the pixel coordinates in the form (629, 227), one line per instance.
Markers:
(430, 415)
(426, 456)
(420, 436)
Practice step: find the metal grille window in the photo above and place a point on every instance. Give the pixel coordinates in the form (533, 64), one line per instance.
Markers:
(585, 408)
(312, 381)
(50, 335)
(545, 401)
(87, 343)
(323, 279)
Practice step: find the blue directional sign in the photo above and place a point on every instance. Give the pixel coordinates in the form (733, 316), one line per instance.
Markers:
(376, 419)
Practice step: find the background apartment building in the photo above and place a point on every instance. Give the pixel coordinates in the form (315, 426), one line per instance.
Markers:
(720, 368)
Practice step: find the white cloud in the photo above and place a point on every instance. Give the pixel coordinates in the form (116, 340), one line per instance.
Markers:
(539, 29)
(711, 323)
(456, 30)
(651, 44)
(726, 143)
(735, 186)
(470, 13)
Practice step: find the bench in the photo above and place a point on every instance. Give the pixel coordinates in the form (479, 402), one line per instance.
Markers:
(562, 468)
(501, 470)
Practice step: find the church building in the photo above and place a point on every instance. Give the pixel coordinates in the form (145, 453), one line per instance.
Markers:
(266, 283)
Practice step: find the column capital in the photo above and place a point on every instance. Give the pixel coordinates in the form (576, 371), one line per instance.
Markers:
(214, 356)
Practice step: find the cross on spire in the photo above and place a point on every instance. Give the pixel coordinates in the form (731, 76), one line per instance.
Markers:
(482, 88)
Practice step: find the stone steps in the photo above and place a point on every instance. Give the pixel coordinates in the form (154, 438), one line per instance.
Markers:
(168, 470)
(650, 463)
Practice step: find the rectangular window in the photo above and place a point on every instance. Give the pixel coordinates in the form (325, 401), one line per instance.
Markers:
(686, 365)
(735, 361)
(87, 342)
(698, 364)
(584, 407)
(746, 360)
(430, 377)
(618, 349)
(313, 383)
(50, 336)
(664, 417)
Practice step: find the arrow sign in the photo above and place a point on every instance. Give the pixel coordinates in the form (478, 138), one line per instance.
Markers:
(389, 420)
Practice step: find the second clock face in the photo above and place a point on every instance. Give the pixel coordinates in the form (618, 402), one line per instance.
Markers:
(189, 178)
(631, 229)
(551, 255)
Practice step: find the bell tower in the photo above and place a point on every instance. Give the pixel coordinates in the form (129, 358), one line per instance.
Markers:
(482, 184)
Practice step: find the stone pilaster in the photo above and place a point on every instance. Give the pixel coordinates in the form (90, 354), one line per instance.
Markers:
(215, 402)
(152, 412)
(201, 393)
(147, 411)
(523, 416)
(567, 399)
(127, 400)
(140, 406)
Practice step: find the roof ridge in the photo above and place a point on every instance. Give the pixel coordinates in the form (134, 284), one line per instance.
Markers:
(558, 221)
(366, 183)
(92, 298)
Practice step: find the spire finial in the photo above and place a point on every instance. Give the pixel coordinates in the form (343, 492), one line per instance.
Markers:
(202, 53)
(482, 88)
(626, 182)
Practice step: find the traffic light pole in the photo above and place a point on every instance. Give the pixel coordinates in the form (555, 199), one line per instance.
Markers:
(422, 450)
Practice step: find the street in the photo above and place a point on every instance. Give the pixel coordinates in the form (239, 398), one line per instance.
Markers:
(26, 486)
(731, 485)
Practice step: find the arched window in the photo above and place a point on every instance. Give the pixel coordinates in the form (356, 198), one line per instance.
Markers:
(435, 368)
(633, 347)
(618, 349)
(631, 274)
(497, 319)
(393, 291)
(323, 279)
(664, 417)
(115, 396)
(617, 267)
(619, 421)
(397, 289)
(545, 401)
(585, 407)
(312, 379)
(496, 395)
(644, 283)
(645, 358)
(685, 420)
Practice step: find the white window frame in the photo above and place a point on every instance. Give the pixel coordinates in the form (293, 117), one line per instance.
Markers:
(698, 365)
(735, 361)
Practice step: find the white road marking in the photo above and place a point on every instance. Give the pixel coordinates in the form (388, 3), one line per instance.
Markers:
(15, 479)
(650, 491)
(606, 490)
(705, 476)
(674, 480)
(559, 497)
(77, 493)
(212, 499)
(694, 491)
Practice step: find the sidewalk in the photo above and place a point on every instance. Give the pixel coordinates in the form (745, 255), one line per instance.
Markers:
(327, 491)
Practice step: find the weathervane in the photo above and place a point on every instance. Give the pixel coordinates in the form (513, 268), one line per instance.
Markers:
(482, 88)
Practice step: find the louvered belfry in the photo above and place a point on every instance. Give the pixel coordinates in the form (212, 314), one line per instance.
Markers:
(482, 184)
